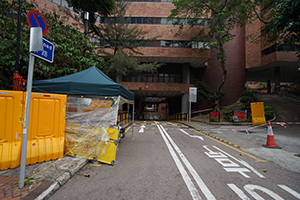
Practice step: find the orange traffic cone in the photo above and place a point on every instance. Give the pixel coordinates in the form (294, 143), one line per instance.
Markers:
(271, 140)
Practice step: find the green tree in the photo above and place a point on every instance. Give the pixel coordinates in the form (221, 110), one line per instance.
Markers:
(123, 41)
(8, 41)
(223, 17)
(102, 7)
(203, 91)
(68, 53)
(73, 51)
(284, 22)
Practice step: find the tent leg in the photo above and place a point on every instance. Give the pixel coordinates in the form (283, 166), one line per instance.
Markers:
(132, 120)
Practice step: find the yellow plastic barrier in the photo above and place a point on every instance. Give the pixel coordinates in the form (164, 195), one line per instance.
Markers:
(109, 157)
(90, 143)
(11, 109)
(46, 127)
(258, 113)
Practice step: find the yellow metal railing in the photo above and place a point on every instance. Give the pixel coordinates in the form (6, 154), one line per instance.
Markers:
(183, 117)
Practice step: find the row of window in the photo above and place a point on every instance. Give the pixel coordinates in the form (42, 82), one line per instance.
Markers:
(139, 20)
(152, 20)
(279, 47)
(64, 3)
(157, 43)
(162, 78)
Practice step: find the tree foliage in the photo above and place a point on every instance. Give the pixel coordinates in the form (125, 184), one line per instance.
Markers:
(69, 44)
(73, 50)
(123, 40)
(284, 24)
(223, 17)
(203, 91)
(101, 7)
(8, 40)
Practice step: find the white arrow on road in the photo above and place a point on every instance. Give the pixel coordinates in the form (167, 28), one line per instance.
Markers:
(193, 136)
(142, 129)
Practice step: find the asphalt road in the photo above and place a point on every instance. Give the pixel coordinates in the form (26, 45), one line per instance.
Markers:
(171, 161)
(286, 109)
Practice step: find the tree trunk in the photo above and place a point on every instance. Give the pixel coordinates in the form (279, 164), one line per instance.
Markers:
(223, 79)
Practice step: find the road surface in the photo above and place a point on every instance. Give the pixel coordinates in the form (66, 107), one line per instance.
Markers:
(172, 161)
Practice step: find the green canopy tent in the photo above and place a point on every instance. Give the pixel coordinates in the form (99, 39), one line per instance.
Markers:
(92, 119)
(88, 82)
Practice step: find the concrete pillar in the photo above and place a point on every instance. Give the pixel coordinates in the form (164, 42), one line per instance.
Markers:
(185, 103)
(269, 86)
(277, 79)
(186, 73)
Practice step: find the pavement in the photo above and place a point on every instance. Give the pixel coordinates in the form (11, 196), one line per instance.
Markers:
(50, 176)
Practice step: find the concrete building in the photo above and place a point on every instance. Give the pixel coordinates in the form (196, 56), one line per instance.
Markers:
(169, 88)
(273, 62)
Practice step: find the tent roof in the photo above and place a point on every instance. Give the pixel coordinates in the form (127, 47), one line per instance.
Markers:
(88, 82)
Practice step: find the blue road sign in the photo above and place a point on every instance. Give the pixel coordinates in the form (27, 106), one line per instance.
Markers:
(35, 19)
(48, 52)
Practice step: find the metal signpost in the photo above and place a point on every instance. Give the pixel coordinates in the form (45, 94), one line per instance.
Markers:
(41, 48)
(36, 45)
(192, 98)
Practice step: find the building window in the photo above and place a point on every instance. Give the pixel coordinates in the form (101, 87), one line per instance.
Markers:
(157, 43)
(279, 47)
(164, 75)
(158, 20)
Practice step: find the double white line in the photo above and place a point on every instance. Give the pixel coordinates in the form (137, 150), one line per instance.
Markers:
(193, 190)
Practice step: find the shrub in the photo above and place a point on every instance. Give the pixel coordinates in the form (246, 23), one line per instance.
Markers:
(246, 98)
(269, 112)
(213, 119)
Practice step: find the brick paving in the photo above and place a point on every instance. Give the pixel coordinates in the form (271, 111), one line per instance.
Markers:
(9, 189)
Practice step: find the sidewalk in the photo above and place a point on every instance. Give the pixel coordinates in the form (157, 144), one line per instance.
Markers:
(47, 178)
(55, 174)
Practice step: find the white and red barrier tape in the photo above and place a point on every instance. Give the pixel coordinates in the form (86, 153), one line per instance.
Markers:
(247, 130)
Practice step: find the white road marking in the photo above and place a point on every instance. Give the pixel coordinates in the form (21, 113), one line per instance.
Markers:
(250, 189)
(289, 190)
(142, 129)
(192, 136)
(195, 175)
(242, 162)
(193, 191)
(238, 191)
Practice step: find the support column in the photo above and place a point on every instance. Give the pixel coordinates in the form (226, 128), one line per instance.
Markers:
(186, 73)
(277, 79)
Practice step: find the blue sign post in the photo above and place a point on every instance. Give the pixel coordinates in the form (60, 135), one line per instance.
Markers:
(48, 52)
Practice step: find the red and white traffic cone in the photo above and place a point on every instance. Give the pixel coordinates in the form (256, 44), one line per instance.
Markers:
(271, 140)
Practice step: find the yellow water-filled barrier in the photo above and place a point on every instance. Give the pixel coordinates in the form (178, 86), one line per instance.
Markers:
(47, 127)
(11, 110)
(45, 131)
